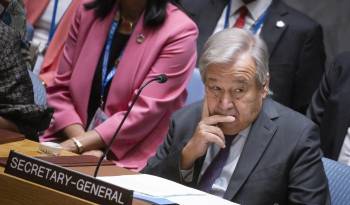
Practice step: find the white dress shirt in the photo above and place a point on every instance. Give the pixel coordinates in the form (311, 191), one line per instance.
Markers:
(255, 8)
(221, 183)
(42, 27)
(344, 156)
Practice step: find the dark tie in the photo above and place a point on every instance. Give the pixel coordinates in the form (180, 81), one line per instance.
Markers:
(240, 22)
(215, 168)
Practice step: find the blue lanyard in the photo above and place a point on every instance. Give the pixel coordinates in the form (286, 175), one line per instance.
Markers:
(254, 29)
(53, 21)
(106, 78)
(227, 16)
(258, 23)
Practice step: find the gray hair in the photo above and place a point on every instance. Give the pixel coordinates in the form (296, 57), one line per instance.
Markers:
(226, 46)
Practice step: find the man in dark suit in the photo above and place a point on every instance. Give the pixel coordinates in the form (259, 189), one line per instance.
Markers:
(237, 143)
(295, 44)
(329, 109)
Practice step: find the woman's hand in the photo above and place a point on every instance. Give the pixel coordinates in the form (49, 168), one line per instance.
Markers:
(90, 140)
(69, 145)
(96, 153)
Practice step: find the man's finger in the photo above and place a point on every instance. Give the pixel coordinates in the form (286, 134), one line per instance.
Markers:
(205, 109)
(211, 138)
(215, 119)
(214, 130)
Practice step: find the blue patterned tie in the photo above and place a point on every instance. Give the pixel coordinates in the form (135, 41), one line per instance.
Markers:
(215, 168)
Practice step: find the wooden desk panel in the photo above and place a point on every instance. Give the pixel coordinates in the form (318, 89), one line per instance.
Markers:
(16, 191)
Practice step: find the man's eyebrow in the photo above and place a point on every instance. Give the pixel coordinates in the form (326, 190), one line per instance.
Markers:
(212, 79)
(240, 80)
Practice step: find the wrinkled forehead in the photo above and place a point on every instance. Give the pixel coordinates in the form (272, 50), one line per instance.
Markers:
(242, 70)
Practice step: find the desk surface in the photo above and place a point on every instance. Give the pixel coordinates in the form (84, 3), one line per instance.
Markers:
(30, 148)
(26, 147)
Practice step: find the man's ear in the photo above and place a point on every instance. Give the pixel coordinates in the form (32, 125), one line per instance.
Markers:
(266, 88)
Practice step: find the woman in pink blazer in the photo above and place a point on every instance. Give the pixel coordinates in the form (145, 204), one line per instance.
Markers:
(146, 38)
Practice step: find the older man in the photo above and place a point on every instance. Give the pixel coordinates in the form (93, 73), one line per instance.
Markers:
(237, 143)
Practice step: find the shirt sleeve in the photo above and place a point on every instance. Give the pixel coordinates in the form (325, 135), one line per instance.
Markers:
(187, 175)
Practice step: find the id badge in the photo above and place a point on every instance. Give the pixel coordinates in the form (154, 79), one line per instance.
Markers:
(99, 117)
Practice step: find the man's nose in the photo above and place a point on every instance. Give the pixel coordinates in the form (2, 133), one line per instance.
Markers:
(226, 102)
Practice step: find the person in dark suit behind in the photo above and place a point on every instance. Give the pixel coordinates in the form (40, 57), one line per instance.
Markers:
(17, 109)
(329, 109)
(295, 42)
(237, 143)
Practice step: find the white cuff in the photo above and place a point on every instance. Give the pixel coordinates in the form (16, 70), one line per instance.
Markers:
(187, 175)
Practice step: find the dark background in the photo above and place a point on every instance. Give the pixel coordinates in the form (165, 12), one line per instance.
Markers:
(334, 16)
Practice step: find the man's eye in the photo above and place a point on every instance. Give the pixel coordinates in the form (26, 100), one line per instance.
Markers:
(238, 90)
(214, 88)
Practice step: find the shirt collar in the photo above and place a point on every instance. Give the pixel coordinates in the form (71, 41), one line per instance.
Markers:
(245, 132)
(255, 8)
(242, 134)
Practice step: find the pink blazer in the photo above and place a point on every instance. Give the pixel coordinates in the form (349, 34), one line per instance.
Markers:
(170, 49)
(54, 51)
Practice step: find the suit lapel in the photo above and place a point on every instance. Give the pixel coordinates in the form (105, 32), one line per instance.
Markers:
(212, 14)
(258, 140)
(207, 18)
(275, 25)
(197, 170)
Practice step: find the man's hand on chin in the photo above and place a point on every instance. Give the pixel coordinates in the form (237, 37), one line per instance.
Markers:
(206, 133)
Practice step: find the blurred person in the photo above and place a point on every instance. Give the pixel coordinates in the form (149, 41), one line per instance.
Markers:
(13, 14)
(329, 109)
(238, 143)
(54, 50)
(113, 48)
(18, 112)
(40, 14)
(44, 17)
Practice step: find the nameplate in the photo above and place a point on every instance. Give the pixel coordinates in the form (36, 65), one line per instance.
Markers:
(67, 181)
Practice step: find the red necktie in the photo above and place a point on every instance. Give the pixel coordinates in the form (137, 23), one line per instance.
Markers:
(243, 11)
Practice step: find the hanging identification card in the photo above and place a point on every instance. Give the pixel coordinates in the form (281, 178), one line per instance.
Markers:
(99, 117)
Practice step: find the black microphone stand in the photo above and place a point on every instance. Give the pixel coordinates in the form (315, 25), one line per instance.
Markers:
(162, 78)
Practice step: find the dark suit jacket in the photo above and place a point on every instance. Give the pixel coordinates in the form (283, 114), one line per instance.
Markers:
(330, 106)
(297, 53)
(280, 162)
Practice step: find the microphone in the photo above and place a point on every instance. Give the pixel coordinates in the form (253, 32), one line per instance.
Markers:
(162, 78)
